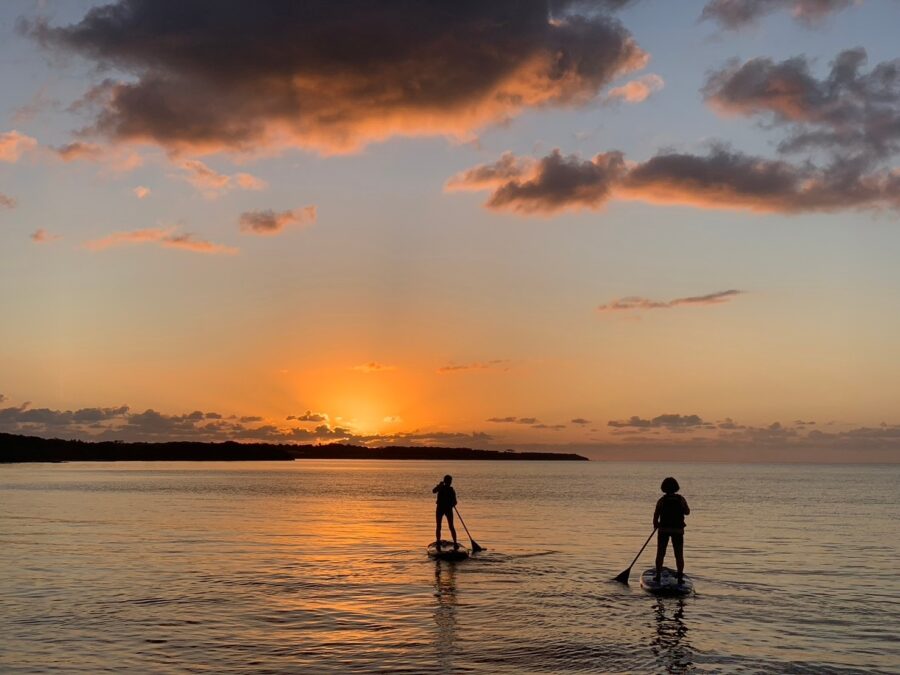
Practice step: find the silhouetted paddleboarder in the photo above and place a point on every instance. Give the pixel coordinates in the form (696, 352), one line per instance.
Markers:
(446, 501)
(669, 519)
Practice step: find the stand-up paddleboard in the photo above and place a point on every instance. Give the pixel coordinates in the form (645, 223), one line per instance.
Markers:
(444, 550)
(667, 584)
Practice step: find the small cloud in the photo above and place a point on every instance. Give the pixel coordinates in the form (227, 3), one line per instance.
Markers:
(580, 421)
(189, 242)
(13, 145)
(251, 418)
(7, 202)
(373, 367)
(736, 14)
(165, 237)
(119, 159)
(669, 421)
(514, 420)
(637, 90)
(212, 183)
(41, 236)
(552, 427)
(633, 303)
(78, 150)
(495, 364)
(309, 416)
(271, 222)
(39, 102)
(141, 192)
(247, 181)
(393, 419)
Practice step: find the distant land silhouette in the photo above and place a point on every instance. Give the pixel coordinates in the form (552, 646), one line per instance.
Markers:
(17, 448)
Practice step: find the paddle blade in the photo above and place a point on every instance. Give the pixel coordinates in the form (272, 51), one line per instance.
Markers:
(475, 547)
(623, 577)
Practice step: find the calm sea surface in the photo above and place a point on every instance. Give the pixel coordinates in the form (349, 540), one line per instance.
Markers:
(320, 567)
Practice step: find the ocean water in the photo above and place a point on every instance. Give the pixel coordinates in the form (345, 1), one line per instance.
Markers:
(320, 567)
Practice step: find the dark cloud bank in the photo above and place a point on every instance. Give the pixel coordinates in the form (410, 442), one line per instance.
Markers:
(667, 436)
(336, 75)
(845, 127)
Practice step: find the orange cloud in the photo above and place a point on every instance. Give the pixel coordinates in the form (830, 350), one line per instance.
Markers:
(41, 236)
(212, 183)
(119, 159)
(141, 192)
(13, 145)
(637, 90)
(165, 237)
(243, 82)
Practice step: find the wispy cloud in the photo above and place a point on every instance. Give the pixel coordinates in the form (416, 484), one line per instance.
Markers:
(495, 364)
(269, 222)
(373, 367)
(119, 159)
(13, 145)
(635, 303)
(7, 202)
(309, 416)
(167, 237)
(211, 183)
(736, 14)
(513, 420)
(41, 236)
(141, 192)
(671, 421)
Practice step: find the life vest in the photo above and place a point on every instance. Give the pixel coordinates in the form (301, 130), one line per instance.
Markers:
(671, 511)
(446, 497)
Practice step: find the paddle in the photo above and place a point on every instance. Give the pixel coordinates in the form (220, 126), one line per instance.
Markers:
(623, 577)
(475, 547)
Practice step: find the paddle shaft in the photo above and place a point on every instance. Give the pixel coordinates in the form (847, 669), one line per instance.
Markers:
(642, 549)
(474, 545)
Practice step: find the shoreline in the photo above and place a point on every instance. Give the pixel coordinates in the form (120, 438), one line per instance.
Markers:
(18, 449)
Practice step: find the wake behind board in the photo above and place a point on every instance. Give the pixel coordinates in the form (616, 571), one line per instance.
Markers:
(667, 584)
(443, 550)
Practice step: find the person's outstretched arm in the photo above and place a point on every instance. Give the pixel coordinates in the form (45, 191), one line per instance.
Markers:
(436, 488)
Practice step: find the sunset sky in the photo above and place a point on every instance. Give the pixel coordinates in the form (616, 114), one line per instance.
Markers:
(627, 228)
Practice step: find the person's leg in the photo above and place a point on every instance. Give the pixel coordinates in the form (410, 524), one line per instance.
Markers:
(678, 549)
(662, 540)
(452, 528)
(437, 529)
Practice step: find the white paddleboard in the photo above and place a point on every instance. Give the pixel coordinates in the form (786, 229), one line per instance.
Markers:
(667, 584)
